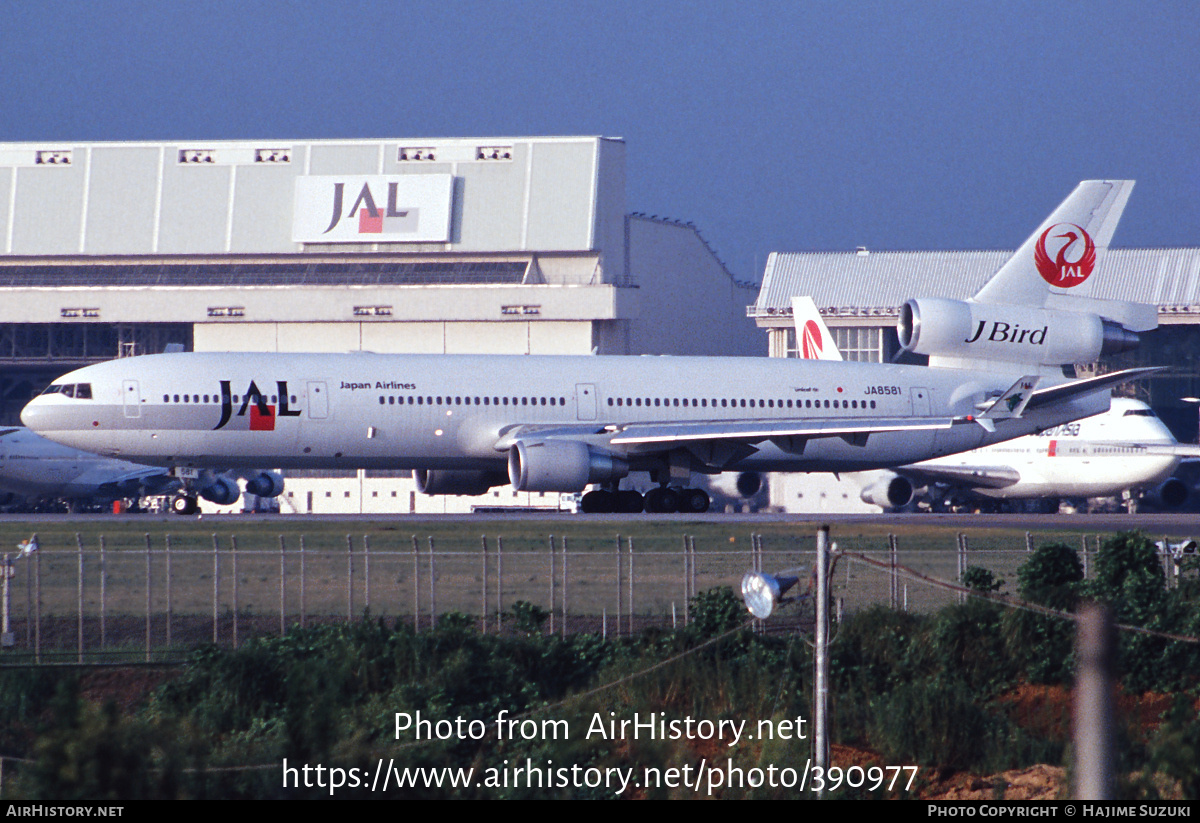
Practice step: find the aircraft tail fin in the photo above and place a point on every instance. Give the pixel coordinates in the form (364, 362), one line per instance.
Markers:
(813, 340)
(1054, 268)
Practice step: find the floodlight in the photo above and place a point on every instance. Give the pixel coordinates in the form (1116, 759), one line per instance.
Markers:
(761, 592)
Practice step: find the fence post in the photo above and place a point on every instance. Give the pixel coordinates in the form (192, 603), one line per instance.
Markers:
(167, 541)
(552, 603)
(350, 577)
(685, 580)
(366, 573)
(499, 584)
(619, 610)
(234, 550)
(631, 585)
(148, 597)
(79, 597)
(37, 602)
(483, 615)
(894, 581)
(564, 586)
(282, 586)
(416, 555)
(303, 584)
(1094, 723)
(103, 592)
(432, 586)
(216, 584)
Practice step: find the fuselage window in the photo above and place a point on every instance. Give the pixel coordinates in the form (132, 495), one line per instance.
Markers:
(543, 401)
(657, 401)
(381, 400)
(639, 401)
(744, 403)
(176, 398)
(524, 401)
(826, 404)
(392, 401)
(457, 401)
(185, 398)
(195, 398)
(166, 398)
(872, 404)
(420, 401)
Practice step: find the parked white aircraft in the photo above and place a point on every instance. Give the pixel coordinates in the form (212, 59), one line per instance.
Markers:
(33, 468)
(465, 423)
(1125, 449)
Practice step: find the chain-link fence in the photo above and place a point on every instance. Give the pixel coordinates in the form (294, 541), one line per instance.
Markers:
(152, 597)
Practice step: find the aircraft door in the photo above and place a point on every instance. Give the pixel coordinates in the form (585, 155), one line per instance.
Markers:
(585, 401)
(920, 401)
(132, 398)
(318, 400)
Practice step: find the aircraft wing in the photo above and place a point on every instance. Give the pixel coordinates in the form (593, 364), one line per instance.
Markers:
(1065, 391)
(986, 477)
(150, 480)
(721, 442)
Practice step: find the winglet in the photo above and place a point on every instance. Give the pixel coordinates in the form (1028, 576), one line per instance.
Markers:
(1011, 403)
(813, 340)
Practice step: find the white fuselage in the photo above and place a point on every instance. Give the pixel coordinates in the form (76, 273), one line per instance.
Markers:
(36, 468)
(1098, 456)
(361, 410)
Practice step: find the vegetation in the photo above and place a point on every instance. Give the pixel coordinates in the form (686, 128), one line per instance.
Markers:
(928, 689)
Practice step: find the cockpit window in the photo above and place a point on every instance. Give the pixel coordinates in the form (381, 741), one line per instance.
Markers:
(1138, 413)
(80, 391)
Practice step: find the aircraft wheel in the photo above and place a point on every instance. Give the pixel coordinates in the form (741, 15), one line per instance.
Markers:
(630, 502)
(598, 502)
(663, 500)
(184, 504)
(694, 501)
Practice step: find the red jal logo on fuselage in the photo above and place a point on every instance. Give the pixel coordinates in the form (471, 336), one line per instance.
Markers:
(262, 414)
(1074, 261)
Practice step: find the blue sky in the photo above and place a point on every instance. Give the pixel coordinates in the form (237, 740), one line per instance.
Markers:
(774, 126)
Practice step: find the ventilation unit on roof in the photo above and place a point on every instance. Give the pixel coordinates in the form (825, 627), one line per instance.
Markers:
(414, 153)
(60, 157)
(493, 153)
(272, 155)
(196, 156)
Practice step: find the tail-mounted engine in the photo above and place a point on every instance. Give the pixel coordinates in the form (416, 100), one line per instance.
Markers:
(958, 328)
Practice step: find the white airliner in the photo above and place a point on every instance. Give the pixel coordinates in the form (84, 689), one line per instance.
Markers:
(35, 469)
(1126, 448)
(465, 423)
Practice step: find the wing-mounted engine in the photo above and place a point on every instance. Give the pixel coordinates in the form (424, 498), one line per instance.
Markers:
(561, 466)
(890, 490)
(265, 484)
(222, 490)
(470, 483)
(966, 330)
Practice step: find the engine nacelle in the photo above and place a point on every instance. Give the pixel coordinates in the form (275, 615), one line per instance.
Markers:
(561, 466)
(749, 484)
(266, 484)
(223, 491)
(889, 491)
(470, 483)
(958, 328)
(1172, 493)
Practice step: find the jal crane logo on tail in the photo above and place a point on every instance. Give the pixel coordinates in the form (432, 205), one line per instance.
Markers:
(1074, 255)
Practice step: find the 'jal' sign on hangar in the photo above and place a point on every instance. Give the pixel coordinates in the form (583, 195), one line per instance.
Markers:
(397, 208)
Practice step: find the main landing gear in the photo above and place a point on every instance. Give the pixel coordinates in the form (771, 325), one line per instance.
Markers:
(185, 504)
(660, 500)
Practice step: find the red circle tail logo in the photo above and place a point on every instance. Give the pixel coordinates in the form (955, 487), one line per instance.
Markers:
(811, 344)
(1074, 255)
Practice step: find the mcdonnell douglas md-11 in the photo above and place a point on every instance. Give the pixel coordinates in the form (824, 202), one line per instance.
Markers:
(466, 423)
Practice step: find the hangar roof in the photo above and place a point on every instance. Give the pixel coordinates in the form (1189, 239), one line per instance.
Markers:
(876, 283)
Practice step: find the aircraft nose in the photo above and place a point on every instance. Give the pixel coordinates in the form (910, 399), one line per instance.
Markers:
(33, 416)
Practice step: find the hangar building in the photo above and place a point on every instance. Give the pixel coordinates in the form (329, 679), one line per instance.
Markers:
(859, 294)
(501, 245)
